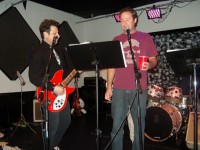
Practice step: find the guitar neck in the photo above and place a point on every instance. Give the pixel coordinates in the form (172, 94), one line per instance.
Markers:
(69, 77)
(76, 86)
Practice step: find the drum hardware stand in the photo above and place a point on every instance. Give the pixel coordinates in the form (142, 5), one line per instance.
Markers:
(180, 136)
(22, 122)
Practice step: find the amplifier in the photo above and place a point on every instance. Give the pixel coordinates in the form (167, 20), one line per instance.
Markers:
(37, 114)
(190, 131)
(91, 81)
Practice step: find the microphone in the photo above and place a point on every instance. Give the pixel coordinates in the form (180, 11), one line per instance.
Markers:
(128, 32)
(21, 78)
(56, 37)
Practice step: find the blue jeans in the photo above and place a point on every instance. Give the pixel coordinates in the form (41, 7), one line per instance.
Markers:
(121, 100)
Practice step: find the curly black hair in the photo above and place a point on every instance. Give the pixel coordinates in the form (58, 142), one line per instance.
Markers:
(46, 25)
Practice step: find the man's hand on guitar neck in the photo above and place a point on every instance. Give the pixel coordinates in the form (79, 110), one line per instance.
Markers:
(59, 90)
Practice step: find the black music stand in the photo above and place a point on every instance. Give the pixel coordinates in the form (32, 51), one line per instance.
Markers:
(184, 62)
(95, 56)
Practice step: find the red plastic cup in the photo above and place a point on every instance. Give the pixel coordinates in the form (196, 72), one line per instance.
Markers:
(142, 59)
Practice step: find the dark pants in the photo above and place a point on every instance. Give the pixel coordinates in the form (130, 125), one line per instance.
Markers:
(57, 125)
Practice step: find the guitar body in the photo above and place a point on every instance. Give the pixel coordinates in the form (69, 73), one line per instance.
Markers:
(77, 107)
(78, 104)
(57, 103)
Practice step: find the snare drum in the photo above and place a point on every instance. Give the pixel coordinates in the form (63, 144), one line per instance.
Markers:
(162, 121)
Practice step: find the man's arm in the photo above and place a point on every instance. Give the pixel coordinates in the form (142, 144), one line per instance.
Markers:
(110, 77)
(152, 63)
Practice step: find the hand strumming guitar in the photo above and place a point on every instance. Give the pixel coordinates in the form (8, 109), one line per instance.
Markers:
(59, 90)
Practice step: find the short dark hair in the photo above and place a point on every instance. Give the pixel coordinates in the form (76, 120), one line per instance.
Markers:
(131, 10)
(46, 25)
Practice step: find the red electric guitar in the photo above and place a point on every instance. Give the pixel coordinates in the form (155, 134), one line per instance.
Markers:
(57, 103)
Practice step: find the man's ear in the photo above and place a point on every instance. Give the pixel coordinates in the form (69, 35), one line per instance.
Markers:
(45, 34)
(135, 20)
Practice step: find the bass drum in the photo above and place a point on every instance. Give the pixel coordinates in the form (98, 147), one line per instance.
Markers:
(162, 121)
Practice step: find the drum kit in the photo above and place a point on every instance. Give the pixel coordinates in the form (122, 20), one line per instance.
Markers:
(167, 112)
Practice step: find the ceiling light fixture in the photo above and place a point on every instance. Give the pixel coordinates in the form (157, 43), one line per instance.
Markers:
(154, 13)
(116, 16)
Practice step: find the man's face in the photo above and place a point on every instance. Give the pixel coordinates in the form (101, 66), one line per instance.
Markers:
(127, 21)
(50, 37)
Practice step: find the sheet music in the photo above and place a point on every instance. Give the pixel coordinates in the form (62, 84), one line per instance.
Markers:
(79, 43)
(122, 49)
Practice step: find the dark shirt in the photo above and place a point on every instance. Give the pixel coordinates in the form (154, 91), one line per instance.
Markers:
(39, 59)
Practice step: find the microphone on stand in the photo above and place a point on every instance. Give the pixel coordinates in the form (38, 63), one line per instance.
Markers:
(21, 78)
(56, 37)
(128, 33)
(55, 40)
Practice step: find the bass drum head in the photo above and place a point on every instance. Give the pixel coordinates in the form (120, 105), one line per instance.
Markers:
(158, 124)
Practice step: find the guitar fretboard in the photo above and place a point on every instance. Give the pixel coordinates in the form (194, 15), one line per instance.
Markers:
(69, 77)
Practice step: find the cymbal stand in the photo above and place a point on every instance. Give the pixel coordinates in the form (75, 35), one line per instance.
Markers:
(22, 122)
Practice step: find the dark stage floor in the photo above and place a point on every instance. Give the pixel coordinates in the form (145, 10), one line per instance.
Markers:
(81, 135)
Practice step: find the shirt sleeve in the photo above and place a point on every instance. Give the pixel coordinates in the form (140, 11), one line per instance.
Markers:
(37, 69)
(152, 48)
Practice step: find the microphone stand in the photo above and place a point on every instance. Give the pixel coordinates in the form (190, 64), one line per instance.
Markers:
(45, 86)
(194, 104)
(195, 109)
(139, 89)
(22, 122)
(46, 113)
